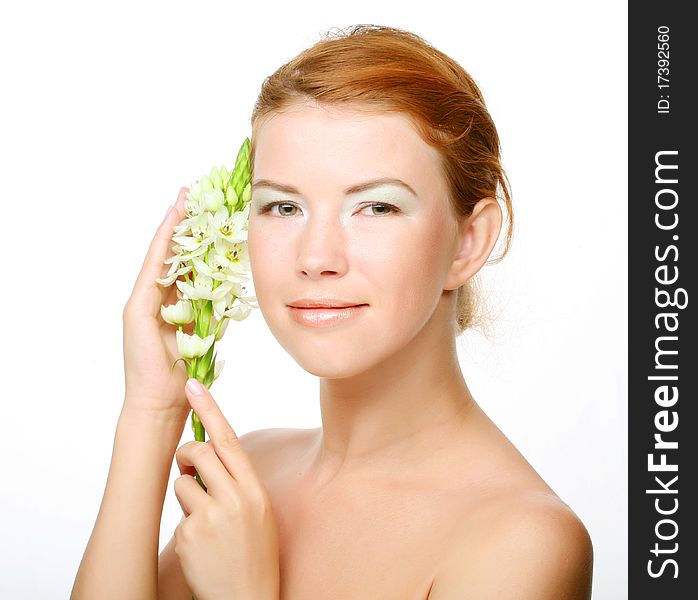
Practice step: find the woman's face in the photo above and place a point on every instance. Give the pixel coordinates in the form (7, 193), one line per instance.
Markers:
(385, 246)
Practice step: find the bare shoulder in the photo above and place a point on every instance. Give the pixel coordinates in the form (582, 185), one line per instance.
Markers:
(264, 446)
(529, 546)
(267, 440)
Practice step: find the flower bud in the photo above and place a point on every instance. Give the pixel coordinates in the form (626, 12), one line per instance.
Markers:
(225, 175)
(206, 184)
(247, 192)
(216, 178)
(178, 314)
(213, 199)
(194, 191)
(240, 178)
(243, 157)
(231, 197)
(191, 346)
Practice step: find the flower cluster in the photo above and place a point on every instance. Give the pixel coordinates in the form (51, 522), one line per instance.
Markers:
(210, 253)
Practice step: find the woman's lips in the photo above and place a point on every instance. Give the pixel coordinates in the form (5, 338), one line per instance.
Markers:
(325, 316)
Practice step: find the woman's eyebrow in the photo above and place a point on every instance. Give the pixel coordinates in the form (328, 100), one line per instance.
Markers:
(354, 189)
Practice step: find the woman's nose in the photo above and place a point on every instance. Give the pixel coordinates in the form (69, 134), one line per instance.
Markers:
(321, 248)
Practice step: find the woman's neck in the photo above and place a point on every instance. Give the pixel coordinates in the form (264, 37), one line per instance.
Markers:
(393, 416)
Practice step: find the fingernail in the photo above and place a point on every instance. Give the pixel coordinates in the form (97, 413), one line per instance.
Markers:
(195, 387)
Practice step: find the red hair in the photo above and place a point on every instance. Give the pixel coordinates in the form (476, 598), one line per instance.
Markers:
(392, 70)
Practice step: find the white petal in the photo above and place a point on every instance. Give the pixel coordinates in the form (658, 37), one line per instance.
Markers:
(194, 292)
(238, 312)
(191, 346)
(218, 368)
(249, 300)
(219, 305)
(180, 313)
(221, 331)
(213, 199)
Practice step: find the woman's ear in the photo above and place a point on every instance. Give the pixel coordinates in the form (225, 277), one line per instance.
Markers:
(477, 236)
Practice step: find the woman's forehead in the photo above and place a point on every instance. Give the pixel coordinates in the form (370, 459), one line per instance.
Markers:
(341, 139)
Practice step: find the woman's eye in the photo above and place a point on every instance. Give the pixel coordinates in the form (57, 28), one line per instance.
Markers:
(282, 205)
(287, 209)
(385, 209)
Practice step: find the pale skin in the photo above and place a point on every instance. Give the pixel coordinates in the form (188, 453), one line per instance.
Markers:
(408, 490)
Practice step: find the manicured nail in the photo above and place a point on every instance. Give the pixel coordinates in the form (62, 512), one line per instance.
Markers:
(195, 387)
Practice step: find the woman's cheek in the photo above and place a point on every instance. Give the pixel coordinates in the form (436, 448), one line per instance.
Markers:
(264, 261)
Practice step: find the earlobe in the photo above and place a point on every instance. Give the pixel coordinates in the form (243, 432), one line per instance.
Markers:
(477, 236)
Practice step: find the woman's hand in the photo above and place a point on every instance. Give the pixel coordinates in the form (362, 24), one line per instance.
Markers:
(150, 344)
(227, 545)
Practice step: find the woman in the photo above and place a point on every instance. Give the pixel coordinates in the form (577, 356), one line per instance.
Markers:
(376, 200)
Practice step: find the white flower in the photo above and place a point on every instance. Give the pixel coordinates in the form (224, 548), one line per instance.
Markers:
(181, 255)
(194, 191)
(178, 314)
(200, 232)
(191, 346)
(225, 302)
(211, 244)
(238, 312)
(235, 307)
(218, 267)
(221, 290)
(236, 253)
(177, 268)
(229, 227)
(199, 289)
(213, 199)
(203, 289)
(193, 206)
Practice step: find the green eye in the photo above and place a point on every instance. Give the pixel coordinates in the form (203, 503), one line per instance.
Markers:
(267, 207)
(390, 208)
(385, 208)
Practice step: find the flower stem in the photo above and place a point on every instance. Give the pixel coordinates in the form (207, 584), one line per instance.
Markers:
(199, 436)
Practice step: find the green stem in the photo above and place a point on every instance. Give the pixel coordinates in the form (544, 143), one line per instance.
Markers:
(199, 436)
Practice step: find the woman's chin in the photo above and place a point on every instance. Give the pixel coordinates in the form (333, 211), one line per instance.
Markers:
(335, 366)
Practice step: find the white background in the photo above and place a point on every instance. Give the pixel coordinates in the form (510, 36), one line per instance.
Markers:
(107, 109)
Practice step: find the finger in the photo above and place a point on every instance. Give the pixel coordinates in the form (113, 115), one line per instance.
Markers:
(154, 262)
(225, 441)
(189, 494)
(201, 458)
(185, 465)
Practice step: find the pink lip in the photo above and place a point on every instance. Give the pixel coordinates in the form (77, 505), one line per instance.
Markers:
(325, 316)
(322, 303)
